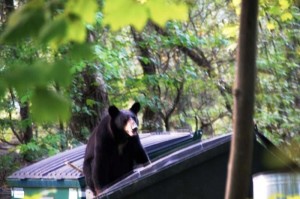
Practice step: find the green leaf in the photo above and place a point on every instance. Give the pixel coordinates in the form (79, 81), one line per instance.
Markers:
(284, 4)
(230, 30)
(275, 10)
(62, 30)
(86, 10)
(61, 73)
(49, 106)
(81, 51)
(90, 102)
(54, 32)
(286, 16)
(271, 26)
(23, 77)
(76, 30)
(138, 12)
(163, 11)
(2, 87)
(27, 21)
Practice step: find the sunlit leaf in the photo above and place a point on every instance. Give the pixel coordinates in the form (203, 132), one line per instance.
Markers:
(76, 31)
(237, 6)
(138, 12)
(284, 4)
(236, 3)
(162, 11)
(230, 31)
(270, 26)
(85, 9)
(49, 106)
(286, 16)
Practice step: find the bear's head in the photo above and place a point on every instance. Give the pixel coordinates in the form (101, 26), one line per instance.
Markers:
(124, 123)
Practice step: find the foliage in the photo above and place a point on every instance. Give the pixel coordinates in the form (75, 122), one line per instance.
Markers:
(54, 24)
(46, 48)
(41, 147)
(138, 12)
(278, 73)
(8, 164)
(46, 24)
(51, 22)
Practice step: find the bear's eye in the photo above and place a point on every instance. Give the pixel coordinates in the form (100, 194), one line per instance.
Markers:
(134, 118)
(126, 120)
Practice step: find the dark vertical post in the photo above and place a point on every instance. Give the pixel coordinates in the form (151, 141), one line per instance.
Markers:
(240, 161)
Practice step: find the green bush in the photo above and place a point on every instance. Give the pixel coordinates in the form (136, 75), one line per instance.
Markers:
(8, 164)
(43, 147)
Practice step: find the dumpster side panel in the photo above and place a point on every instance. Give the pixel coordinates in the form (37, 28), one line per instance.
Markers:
(209, 182)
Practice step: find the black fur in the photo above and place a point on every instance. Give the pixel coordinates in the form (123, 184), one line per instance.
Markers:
(111, 153)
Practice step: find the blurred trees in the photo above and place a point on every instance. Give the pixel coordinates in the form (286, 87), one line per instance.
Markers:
(61, 67)
(277, 106)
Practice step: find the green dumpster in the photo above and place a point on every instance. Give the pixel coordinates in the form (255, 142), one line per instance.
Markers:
(59, 176)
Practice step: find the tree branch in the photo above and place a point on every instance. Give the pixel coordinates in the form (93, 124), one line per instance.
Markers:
(7, 142)
(198, 57)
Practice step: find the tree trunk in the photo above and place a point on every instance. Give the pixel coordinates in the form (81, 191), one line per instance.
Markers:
(9, 6)
(151, 119)
(239, 168)
(27, 129)
(91, 86)
(167, 123)
(26, 132)
(168, 113)
(199, 58)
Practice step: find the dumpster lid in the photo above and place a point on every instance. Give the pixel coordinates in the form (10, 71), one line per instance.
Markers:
(55, 167)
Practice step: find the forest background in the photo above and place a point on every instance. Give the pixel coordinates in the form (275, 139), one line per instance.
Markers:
(61, 67)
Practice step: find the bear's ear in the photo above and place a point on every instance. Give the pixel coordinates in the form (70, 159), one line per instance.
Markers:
(135, 107)
(113, 111)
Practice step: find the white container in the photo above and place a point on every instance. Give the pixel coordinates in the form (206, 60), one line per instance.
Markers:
(285, 185)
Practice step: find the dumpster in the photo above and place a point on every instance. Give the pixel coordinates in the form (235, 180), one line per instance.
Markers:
(196, 171)
(59, 176)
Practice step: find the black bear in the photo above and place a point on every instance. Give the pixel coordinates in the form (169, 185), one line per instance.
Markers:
(113, 148)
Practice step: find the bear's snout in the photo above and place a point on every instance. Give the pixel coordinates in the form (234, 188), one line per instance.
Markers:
(134, 128)
(131, 127)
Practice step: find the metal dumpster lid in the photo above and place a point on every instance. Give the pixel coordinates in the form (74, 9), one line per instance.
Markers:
(55, 167)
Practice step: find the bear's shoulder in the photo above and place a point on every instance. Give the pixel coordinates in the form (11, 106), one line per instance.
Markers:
(103, 129)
